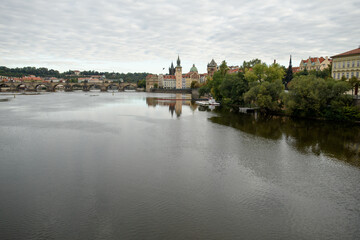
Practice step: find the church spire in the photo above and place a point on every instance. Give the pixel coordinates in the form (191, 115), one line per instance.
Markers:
(178, 62)
(289, 74)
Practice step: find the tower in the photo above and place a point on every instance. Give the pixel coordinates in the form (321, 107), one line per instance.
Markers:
(178, 74)
(211, 68)
(172, 69)
(289, 74)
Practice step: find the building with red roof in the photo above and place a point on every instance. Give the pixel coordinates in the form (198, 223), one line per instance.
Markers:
(346, 64)
(315, 63)
(295, 69)
(32, 78)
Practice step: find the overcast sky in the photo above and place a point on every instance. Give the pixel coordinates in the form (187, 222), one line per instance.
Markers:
(145, 36)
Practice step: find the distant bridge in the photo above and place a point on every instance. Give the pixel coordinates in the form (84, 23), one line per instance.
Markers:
(67, 86)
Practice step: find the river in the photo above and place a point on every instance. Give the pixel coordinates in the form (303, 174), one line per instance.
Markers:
(133, 165)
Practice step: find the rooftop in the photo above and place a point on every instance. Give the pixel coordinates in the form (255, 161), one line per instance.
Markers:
(348, 53)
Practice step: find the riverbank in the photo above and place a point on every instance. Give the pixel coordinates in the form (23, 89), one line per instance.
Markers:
(163, 90)
(244, 110)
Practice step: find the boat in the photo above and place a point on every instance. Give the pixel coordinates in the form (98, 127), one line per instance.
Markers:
(210, 102)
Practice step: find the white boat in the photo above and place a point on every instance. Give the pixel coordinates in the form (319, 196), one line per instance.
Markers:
(210, 102)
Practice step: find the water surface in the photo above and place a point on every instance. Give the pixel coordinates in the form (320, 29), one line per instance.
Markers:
(142, 166)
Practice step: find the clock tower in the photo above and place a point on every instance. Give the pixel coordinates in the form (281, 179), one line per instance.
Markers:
(178, 74)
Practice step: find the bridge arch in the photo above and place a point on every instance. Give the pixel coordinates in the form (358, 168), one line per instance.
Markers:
(4, 86)
(113, 86)
(93, 86)
(130, 86)
(58, 86)
(42, 85)
(21, 86)
(78, 86)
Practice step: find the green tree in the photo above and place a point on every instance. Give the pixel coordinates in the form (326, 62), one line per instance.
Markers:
(223, 68)
(156, 85)
(311, 96)
(354, 83)
(266, 95)
(141, 83)
(262, 72)
(215, 85)
(343, 78)
(250, 64)
(194, 84)
(233, 88)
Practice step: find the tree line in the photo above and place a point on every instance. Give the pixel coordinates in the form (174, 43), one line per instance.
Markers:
(311, 94)
(24, 71)
(44, 72)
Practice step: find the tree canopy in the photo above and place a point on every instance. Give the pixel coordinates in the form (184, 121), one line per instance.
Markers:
(44, 72)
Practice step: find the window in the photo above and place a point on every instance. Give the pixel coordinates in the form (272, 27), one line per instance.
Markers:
(347, 75)
(352, 74)
(343, 64)
(334, 65)
(358, 64)
(353, 63)
(338, 76)
(357, 74)
(348, 64)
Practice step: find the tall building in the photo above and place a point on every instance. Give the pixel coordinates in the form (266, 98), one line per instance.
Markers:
(211, 68)
(346, 64)
(178, 74)
(172, 69)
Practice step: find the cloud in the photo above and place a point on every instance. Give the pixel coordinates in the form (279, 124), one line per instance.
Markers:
(147, 35)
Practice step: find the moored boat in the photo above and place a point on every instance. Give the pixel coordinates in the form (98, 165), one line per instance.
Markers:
(211, 102)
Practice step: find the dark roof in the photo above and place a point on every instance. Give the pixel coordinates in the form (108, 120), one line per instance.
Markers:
(212, 63)
(351, 52)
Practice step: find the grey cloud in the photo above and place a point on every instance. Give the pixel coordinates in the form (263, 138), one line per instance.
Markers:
(86, 32)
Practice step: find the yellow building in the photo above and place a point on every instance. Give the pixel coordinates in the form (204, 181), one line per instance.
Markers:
(346, 64)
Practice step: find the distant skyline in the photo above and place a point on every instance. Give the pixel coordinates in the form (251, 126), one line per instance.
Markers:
(145, 36)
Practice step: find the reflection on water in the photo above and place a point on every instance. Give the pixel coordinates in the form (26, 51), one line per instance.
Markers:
(175, 103)
(338, 140)
(119, 166)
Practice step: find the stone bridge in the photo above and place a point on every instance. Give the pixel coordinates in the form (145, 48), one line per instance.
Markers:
(67, 86)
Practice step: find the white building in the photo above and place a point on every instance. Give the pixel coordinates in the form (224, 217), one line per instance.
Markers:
(169, 81)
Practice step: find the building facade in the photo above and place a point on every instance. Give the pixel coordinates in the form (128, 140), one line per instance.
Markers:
(176, 79)
(315, 63)
(346, 64)
(169, 81)
(151, 80)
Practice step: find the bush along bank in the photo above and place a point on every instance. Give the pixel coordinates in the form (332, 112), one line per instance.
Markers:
(262, 86)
